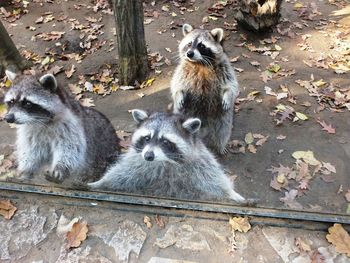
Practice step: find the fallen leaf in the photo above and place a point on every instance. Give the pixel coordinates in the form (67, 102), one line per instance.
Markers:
(326, 127)
(329, 167)
(159, 221)
(347, 196)
(251, 148)
(235, 59)
(240, 224)
(77, 234)
(55, 70)
(302, 245)
(7, 210)
(306, 156)
(289, 199)
(147, 221)
(69, 72)
(317, 257)
(281, 137)
(261, 141)
(301, 116)
(87, 102)
(249, 138)
(339, 238)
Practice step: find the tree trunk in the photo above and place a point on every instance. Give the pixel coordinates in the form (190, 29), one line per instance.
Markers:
(9, 55)
(258, 15)
(133, 60)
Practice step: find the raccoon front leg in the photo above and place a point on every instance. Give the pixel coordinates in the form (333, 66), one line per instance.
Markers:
(227, 100)
(178, 99)
(30, 157)
(66, 160)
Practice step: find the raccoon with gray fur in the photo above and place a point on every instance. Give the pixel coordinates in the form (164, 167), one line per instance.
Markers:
(204, 85)
(55, 134)
(166, 158)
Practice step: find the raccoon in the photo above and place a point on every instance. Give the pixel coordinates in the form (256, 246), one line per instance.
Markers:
(204, 85)
(56, 133)
(166, 158)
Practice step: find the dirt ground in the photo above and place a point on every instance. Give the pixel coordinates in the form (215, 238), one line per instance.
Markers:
(311, 44)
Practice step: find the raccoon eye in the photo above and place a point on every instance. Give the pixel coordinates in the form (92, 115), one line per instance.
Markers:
(147, 138)
(166, 142)
(27, 104)
(189, 44)
(11, 102)
(201, 45)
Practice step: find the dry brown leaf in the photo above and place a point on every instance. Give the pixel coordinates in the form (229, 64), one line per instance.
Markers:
(77, 234)
(87, 102)
(159, 221)
(251, 148)
(7, 210)
(69, 72)
(339, 238)
(147, 221)
(302, 244)
(347, 196)
(240, 224)
(326, 127)
(317, 257)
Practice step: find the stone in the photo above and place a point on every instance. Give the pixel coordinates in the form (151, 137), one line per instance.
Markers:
(79, 255)
(24, 231)
(183, 237)
(126, 238)
(168, 260)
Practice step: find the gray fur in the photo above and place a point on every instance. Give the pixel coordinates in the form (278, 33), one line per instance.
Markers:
(206, 88)
(196, 175)
(68, 139)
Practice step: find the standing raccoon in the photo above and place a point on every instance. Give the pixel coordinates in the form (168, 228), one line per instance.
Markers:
(167, 159)
(55, 133)
(204, 85)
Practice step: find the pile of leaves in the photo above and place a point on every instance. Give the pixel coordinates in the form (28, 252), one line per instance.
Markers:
(250, 143)
(327, 94)
(296, 180)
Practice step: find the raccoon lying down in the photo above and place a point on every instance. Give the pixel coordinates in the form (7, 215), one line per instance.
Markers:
(166, 158)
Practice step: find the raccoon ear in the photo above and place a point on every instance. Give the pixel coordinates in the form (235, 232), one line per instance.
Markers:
(10, 75)
(139, 115)
(48, 81)
(186, 28)
(218, 34)
(192, 125)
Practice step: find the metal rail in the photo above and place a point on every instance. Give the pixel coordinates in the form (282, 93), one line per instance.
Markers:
(176, 204)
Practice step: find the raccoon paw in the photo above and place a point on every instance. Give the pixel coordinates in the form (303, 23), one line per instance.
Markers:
(178, 105)
(23, 175)
(225, 105)
(57, 175)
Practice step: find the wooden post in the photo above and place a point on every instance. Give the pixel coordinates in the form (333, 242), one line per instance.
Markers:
(9, 55)
(258, 15)
(133, 60)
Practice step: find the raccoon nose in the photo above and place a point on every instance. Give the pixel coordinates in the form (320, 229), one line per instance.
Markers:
(10, 118)
(149, 156)
(190, 53)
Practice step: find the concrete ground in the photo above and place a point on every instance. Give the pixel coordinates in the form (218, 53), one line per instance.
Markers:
(117, 233)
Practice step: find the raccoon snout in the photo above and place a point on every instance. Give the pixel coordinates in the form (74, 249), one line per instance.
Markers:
(149, 156)
(190, 54)
(10, 118)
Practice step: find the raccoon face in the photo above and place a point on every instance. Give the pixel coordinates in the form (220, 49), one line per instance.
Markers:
(31, 101)
(163, 137)
(201, 46)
